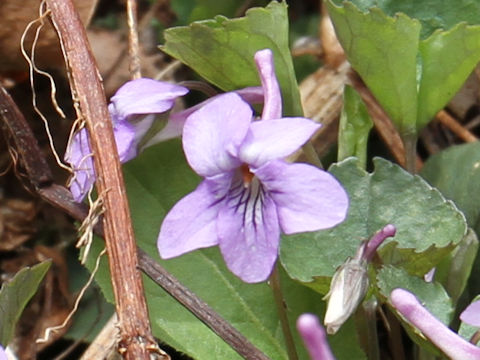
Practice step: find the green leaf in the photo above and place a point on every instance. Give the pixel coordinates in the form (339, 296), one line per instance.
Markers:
(155, 181)
(448, 58)
(14, 296)
(412, 76)
(182, 10)
(433, 14)
(221, 50)
(453, 272)
(355, 125)
(456, 173)
(206, 9)
(428, 226)
(432, 295)
(383, 50)
(345, 344)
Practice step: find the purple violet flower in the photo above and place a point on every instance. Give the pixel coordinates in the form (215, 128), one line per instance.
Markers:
(249, 193)
(3, 354)
(452, 345)
(132, 110)
(471, 314)
(314, 337)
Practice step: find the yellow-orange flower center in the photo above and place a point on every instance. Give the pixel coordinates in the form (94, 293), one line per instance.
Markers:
(246, 174)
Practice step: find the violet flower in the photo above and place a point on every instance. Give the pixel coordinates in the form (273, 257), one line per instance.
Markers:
(314, 337)
(249, 193)
(452, 345)
(131, 110)
(3, 354)
(471, 314)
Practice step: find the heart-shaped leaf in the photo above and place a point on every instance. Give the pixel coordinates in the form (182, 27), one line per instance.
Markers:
(221, 50)
(428, 226)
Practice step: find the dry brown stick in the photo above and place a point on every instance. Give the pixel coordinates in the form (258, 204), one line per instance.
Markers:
(450, 122)
(26, 145)
(133, 44)
(38, 172)
(137, 341)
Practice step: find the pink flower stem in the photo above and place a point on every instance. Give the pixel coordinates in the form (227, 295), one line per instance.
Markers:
(452, 345)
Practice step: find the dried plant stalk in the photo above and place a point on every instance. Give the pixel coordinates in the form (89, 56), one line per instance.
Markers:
(136, 340)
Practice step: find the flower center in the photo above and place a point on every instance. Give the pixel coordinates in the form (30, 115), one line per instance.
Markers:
(247, 175)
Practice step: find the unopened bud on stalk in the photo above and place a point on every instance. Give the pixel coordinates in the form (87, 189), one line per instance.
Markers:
(350, 282)
(347, 289)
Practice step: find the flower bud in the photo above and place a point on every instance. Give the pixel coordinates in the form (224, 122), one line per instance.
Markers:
(350, 282)
(314, 337)
(347, 289)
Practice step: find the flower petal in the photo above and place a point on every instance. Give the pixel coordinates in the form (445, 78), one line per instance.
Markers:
(252, 94)
(79, 156)
(454, 346)
(3, 354)
(314, 337)
(191, 223)
(212, 134)
(176, 121)
(272, 108)
(124, 134)
(144, 96)
(275, 139)
(248, 232)
(172, 129)
(471, 315)
(307, 198)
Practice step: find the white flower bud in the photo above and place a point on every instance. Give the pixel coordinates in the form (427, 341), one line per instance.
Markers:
(347, 289)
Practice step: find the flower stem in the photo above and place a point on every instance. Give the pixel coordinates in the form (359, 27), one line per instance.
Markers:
(274, 282)
(475, 338)
(369, 310)
(410, 144)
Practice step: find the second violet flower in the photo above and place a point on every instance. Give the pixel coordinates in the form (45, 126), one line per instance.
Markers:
(249, 193)
(132, 110)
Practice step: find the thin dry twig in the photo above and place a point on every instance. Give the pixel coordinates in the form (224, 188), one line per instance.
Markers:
(137, 341)
(133, 44)
(27, 147)
(450, 122)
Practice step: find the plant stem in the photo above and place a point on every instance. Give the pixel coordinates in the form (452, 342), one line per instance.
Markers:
(395, 337)
(410, 144)
(369, 310)
(475, 338)
(282, 313)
